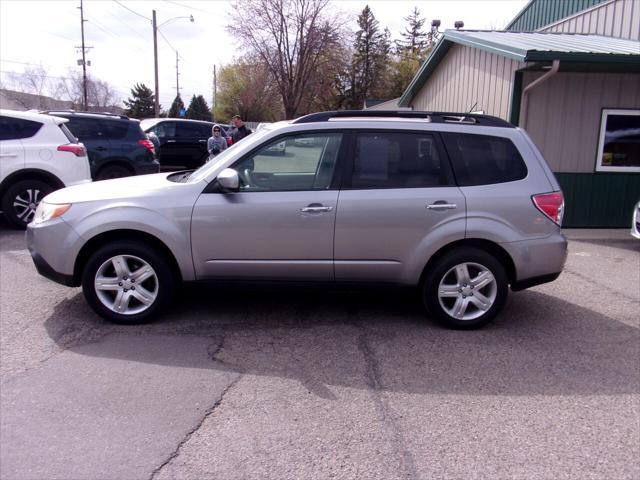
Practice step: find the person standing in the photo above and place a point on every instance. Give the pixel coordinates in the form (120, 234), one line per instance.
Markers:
(216, 143)
(240, 131)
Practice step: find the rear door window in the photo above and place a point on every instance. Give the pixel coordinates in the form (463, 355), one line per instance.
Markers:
(190, 130)
(398, 160)
(16, 128)
(87, 128)
(115, 130)
(484, 159)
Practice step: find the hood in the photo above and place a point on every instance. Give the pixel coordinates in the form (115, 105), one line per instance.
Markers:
(116, 189)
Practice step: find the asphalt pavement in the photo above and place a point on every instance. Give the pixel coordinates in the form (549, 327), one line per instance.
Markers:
(248, 383)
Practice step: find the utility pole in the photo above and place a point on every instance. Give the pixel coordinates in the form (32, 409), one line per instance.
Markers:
(156, 105)
(215, 91)
(84, 63)
(177, 75)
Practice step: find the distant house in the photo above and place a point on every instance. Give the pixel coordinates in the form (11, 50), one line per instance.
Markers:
(569, 73)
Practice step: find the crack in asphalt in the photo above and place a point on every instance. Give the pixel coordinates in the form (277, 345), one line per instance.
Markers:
(212, 353)
(374, 381)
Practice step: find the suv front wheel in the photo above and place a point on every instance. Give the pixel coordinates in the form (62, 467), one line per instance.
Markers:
(466, 288)
(127, 282)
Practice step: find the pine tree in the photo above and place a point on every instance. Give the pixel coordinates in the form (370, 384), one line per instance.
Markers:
(176, 107)
(370, 61)
(415, 42)
(141, 103)
(198, 109)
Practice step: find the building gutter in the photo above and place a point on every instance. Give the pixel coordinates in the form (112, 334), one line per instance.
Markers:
(555, 66)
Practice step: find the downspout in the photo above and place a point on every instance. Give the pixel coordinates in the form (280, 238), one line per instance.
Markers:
(555, 66)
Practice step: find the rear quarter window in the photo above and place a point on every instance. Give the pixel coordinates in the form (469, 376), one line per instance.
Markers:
(484, 159)
(16, 128)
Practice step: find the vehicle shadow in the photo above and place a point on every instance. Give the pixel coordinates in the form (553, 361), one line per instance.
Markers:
(540, 345)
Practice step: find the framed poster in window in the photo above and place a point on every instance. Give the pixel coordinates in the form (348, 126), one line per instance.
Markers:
(619, 143)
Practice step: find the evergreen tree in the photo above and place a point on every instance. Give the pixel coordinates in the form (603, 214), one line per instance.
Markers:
(415, 42)
(141, 103)
(176, 107)
(198, 109)
(370, 62)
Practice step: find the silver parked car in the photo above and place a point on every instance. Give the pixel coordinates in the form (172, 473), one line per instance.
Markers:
(461, 206)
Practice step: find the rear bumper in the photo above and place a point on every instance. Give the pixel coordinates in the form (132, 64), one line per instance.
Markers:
(537, 261)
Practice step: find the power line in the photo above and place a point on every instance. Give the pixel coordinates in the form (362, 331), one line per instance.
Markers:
(128, 27)
(190, 7)
(132, 11)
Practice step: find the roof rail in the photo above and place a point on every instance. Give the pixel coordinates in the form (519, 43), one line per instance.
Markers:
(434, 117)
(108, 114)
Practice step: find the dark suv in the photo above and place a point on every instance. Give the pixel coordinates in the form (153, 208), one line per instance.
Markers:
(182, 142)
(116, 144)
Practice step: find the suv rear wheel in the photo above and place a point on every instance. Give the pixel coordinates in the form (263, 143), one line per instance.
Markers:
(127, 282)
(466, 288)
(21, 199)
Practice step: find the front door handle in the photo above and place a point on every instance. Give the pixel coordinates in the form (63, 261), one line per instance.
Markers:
(441, 205)
(8, 154)
(171, 141)
(315, 208)
(202, 141)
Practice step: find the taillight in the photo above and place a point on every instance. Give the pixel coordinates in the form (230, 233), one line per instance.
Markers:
(148, 144)
(551, 204)
(75, 148)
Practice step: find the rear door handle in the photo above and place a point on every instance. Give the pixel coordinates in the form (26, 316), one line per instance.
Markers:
(8, 154)
(171, 141)
(315, 208)
(441, 205)
(202, 141)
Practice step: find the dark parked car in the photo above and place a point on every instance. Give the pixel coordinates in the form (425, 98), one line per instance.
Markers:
(183, 142)
(116, 144)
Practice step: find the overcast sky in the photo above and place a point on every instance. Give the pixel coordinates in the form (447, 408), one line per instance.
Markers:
(47, 32)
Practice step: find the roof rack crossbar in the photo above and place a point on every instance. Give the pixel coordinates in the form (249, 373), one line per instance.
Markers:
(434, 117)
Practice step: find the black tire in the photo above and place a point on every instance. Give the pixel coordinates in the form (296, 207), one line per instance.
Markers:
(473, 258)
(163, 283)
(113, 171)
(21, 199)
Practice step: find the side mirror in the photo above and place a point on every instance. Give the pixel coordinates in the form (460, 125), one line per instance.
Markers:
(228, 180)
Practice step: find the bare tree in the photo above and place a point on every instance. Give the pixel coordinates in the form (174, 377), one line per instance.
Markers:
(33, 82)
(100, 94)
(292, 38)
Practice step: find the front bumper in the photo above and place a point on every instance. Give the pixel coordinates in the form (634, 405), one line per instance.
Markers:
(54, 246)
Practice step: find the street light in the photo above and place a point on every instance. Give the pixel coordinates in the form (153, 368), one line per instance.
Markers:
(155, 55)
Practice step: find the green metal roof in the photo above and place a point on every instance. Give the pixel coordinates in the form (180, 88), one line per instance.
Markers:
(538, 13)
(529, 47)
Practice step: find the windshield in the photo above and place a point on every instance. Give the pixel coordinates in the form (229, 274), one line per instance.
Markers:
(247, 142)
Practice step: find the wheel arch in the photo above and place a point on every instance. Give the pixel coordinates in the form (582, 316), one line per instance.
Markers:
(488, 246)
(30, 174)
(122, 234)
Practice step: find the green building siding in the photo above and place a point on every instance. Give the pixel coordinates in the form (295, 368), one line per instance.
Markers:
(599, 200)
(544, 12)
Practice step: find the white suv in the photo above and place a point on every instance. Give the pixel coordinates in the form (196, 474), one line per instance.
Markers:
(38, 155)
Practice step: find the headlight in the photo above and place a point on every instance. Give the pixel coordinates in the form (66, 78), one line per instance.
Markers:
(48, 211)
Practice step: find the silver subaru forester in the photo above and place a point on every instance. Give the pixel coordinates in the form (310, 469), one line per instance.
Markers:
(461, 206)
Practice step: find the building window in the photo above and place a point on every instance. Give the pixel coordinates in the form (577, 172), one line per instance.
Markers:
(619, 145)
